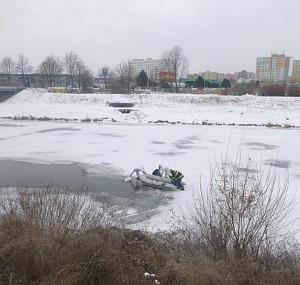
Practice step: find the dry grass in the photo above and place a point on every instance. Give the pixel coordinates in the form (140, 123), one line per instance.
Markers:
(49, 237)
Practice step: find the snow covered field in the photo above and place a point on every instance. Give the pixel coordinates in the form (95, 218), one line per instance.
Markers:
(132, 142)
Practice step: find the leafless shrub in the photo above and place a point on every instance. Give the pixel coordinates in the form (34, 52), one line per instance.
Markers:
(273, 90)
(53, 237)
(241, 212)
(244, 88)
(237, 230)
(294, 91)
(54, 211)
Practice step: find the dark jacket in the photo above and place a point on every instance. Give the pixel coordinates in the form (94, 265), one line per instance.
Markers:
(176, 175)
(156, 172)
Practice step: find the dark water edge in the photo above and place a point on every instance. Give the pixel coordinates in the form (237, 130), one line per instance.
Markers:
(132, 205)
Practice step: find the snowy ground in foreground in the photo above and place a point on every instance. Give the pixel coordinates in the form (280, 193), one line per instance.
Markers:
(150, 108)
(191, 149)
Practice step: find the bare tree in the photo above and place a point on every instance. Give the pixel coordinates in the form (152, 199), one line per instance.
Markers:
(241, 212)
(111, 79)
(80, 68)
(7, 66)
(124, 76)
(104, 72)
(51, 67)
(175, 62)
(71, 64)
(23, 67)
(86, 80)
(84, 77)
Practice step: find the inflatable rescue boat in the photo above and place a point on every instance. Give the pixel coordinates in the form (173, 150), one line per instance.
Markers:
(140, 178)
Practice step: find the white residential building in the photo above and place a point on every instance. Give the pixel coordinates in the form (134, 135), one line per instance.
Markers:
(273, 69)
(152, 67)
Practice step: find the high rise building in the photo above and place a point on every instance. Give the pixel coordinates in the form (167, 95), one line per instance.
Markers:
(296, 71)
(152, 67)
(273, 69)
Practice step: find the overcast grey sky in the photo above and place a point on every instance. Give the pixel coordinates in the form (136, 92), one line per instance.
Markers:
(224, 36)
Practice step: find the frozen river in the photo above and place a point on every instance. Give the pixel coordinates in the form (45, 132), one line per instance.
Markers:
(101, 155)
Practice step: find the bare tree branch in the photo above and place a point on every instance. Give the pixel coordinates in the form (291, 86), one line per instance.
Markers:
(51, 67)
(23, 67)
(7, 65)
(241, 211)
(71, 64)
(175, 62)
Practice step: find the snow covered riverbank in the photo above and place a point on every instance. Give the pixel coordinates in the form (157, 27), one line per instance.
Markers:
(183, 108)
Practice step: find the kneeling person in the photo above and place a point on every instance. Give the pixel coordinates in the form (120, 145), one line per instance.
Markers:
(176, 177)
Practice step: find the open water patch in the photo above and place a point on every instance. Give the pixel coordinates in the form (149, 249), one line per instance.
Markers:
(120, 197)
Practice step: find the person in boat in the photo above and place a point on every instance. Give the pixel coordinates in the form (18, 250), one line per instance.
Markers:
(157, 172)
(165, 171)
(176, 178)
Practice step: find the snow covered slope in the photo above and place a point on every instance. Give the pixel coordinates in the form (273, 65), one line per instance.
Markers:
(185, 108)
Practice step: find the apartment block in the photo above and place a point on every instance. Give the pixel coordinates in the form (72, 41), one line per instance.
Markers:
(296, 71)
(273, 69)
(152, 67)
(212, 75)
